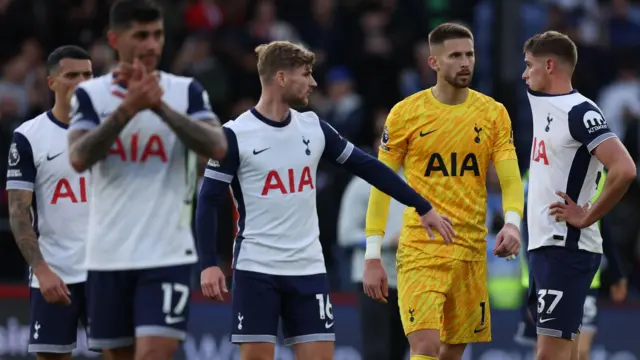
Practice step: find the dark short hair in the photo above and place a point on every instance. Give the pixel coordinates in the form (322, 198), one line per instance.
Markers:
(124, 13)
(65, 52)
(552, 43)
(449, 31)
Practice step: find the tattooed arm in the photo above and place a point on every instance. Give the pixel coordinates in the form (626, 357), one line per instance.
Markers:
(20, 220)
(87, 147)
(205, 137)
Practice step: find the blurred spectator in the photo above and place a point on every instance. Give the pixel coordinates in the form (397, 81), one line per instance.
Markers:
(103, 59)
(343, 107)
(620, 100)
(420, 76)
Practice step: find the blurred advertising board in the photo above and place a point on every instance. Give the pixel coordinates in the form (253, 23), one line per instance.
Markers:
(618, 338)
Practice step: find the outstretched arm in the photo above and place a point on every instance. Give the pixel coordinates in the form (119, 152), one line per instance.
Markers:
(198, 129)
(89, 140)
(363, 165)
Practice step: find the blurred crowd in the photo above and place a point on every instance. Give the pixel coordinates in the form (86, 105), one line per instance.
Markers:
(370, 54)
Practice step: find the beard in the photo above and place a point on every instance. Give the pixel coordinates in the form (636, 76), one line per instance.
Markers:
(457, 81)
(296, 101)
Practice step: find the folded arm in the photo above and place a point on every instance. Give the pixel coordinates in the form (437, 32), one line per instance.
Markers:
(89, 139)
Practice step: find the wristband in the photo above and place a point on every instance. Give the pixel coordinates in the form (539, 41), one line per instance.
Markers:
(512, 217)
(374, 246)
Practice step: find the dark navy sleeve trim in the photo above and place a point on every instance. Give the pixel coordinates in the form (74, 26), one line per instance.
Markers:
(386, 180)
(83, 114)
(225, 169)
(340, 151)
(199, 106)
(21, 172)
(588, 126)
(336, 149)
(209, 199)
(217, 177)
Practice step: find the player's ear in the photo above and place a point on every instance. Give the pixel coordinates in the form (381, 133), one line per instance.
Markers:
(51, 82)
(550, 65)
(112, 38)
(280, 78)
(433, 63)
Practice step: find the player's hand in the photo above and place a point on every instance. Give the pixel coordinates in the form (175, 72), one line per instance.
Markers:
(213, 283)
(619, 291)
(440, 223)
(507, 241)
(144, 90)
(53, 289)
(570, 212)
(374, 280)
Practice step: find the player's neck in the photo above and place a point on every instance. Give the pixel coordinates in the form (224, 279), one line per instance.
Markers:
(61, 112)
(449, 95)
(559, 88)
(272, 109)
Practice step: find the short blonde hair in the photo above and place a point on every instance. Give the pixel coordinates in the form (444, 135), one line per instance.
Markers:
(282, 55)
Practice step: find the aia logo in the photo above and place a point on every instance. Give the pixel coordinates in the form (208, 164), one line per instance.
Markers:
(64, 190)
(539, 151)
(138, 151)
(295, 183)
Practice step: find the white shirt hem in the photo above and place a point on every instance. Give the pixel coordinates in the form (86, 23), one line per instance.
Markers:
(141, 265)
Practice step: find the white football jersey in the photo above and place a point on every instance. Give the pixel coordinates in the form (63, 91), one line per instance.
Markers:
(271, 167)
(38, 162)
(566, 130)
(143, 189)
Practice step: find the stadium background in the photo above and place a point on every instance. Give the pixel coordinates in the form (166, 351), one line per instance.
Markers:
(370, 55)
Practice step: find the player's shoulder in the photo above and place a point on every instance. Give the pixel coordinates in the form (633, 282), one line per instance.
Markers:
(178, 80)
(305, 117)
(96, 85)
(407, 106)
(33, 127)
(484, 100)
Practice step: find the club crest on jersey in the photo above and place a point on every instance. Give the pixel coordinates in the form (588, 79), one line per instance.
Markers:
(306, 143)
(594, 121)
(385, 138)
(477, 130)
(14, 155)
(213, 163)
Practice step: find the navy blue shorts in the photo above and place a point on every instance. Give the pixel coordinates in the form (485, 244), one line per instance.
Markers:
(561, 282)
(527, 333)
(260, 300)
(54, 328)
(126, 304)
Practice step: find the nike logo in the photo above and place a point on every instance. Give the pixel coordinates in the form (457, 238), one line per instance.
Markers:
(49, 157)
(170, 320)
(256, 152)
(475, 331)
(426, 133)
(328, 325)
(545, 320)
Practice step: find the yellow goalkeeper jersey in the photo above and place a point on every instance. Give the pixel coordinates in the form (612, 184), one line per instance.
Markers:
(445, 151)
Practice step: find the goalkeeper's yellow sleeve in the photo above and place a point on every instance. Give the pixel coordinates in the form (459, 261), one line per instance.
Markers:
(377, 214)
(512, 190)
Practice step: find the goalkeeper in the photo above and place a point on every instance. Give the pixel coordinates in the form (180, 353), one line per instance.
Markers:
(445, 138)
